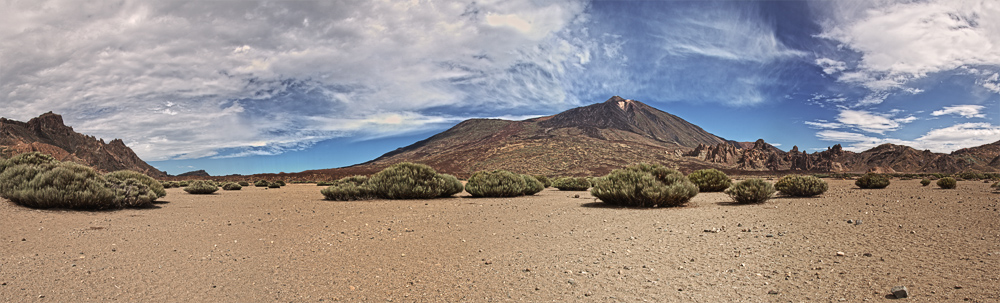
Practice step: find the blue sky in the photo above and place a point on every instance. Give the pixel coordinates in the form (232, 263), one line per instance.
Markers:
(256, 87)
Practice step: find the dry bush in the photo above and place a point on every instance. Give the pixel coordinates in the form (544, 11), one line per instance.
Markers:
(57, 185)
(801, 186)
(947, 183)
(151, 183)
(232, 186)
(410, 181)
(201, 187)
(925, 182)
(497, 183)
(751, 191)
(710, 180)
(872, 181)
(571, 183)
(645, 185)
(546, 183)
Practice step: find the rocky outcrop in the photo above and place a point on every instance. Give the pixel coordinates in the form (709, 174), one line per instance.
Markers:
(197, 173)
(48, 134)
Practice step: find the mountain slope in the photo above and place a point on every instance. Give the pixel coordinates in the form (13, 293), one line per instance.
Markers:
(585, 141)
(48, 134)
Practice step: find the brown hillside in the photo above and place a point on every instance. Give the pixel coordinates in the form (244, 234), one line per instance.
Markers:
(48, 134)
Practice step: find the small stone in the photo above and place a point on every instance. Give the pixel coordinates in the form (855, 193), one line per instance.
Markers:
(840, 254)
(773, 292)
(571, 282)
(770, 236)
(858, 222)
(900, 292)
(868, 254)
(958, 287)
(23, 239)
(850, 221)
(576, 196)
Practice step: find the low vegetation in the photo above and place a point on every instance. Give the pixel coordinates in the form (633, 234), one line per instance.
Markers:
(261, 183)
(751, 191)
(801, 186)
(546, 183)
(243, 183)
(502, 183)
(645, 185)
(872, 181)
(571, 183)
(947, 183)
(201, 187)
(710, 180)
(37, 180)
(925, 182)
(232, 186)
(399, 181)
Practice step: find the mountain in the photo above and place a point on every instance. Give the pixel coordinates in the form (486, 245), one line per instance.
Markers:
(48, 134)
(584, 141)
(595, 139)
(197, 173)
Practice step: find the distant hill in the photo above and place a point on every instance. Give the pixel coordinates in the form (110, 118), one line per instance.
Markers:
(197, 173)
(48, 134)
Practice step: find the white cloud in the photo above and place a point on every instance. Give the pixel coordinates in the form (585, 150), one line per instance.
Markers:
(902, 41)
(967, 111)
(823, 124)
(870, 122)
(831, 66)
(188, 79)
(942, 140)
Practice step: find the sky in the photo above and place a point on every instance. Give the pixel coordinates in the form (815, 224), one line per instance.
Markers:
(243, 87)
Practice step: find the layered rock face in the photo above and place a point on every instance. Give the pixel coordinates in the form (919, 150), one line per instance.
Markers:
(48, 134)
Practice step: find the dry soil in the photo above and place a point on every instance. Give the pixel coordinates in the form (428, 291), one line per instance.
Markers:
(289, 244)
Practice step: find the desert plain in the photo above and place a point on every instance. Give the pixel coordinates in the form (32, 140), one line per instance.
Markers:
(290, 245)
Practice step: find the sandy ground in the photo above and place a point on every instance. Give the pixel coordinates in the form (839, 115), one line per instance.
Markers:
(290, 245)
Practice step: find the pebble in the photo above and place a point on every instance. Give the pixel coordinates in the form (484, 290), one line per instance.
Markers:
(571, 282)
(773, 292)
(900, 292)
(840, 253)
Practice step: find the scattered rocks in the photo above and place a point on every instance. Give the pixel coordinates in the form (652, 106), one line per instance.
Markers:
(713, 230)
(773, 292)
(840, 254)
(900, 292)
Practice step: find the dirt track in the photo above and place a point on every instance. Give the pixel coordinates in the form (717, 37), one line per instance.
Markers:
(290, 245)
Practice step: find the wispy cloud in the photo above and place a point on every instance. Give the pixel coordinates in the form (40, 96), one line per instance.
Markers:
(869, 122)
(941, 140)
(903, 41)
(967, 111)
(196, 79)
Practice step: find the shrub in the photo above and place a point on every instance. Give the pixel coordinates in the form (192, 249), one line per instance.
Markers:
(645, 185)
(710, 180)
(546, 183)
(356, 180)
(151, 183)
(261, 183)
(751, 191)
(497, 183)
(925, 182)
(27, 158)
(243, 183)
(533, 185)
(182, 184)
(232, 186)
(572, 184)
(130, 192)
(947, 183)
(801, 186)
(324, 183)
(452, 185)
(409, 181)
(347, 191)
(280, 183)
(200, 187)
(273, 185)
(56, 184)
(996, 185)
(872, 181)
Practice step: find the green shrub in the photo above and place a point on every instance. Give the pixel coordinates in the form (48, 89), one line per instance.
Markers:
(996, 185)
(872, 181)
(356, 180)
(801, 186)
(546, 183)
(200, 187)
(497, 183)
(347, 191)
(533, 185)
(710, 180)
(571, 184)
(130, 192)
(151, 183)
(452, 185)
(925, 182)
(751, 191)
(56, 184)
(947, 183)
(261, 183)
(280, 183)
(273, 185)
(409, 181)
(27, 158)
(232, 186)
(182, 183)
(243, 183)
(324, 183)
(645, 185)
